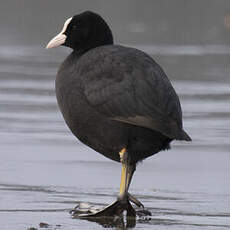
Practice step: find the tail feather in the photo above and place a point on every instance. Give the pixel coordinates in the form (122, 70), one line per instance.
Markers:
(184, 136)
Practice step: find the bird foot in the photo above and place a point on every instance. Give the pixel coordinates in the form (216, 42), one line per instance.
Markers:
(141, 212)
(135, 201)
(116, 209)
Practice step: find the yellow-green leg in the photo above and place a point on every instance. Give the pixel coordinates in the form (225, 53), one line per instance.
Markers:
(126, 173)
(123, 202)
(126, 177)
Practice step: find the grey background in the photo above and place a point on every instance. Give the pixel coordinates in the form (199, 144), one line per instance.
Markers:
(177, 21)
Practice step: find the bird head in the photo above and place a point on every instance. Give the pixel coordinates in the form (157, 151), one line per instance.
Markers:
(83, 32)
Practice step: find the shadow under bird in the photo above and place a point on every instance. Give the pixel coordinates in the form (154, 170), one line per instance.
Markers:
(116, 100)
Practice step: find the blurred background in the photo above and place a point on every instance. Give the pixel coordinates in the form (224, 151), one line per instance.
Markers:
(45, 170)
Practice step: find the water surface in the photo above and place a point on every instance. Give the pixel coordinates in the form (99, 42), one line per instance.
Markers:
(45, 171)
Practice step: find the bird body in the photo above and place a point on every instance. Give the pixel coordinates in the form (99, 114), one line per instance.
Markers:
(116, 100)
(113, 97)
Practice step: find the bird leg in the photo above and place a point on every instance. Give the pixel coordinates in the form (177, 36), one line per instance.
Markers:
(127, 172)
(123, 201)
(126, 177)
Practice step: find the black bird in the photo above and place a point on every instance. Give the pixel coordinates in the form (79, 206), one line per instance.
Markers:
(115, 99)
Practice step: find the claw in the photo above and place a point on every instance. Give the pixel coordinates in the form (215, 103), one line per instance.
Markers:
(143, 213)
(135, 201)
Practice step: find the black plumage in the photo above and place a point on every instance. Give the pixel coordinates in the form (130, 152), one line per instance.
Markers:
(114, 97)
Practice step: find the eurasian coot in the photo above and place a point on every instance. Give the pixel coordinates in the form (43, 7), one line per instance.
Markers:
(115, 99)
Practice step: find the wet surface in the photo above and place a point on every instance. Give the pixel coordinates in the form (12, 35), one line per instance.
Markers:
(45, 171)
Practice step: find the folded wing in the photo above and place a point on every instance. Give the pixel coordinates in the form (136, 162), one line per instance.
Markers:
(126, 85)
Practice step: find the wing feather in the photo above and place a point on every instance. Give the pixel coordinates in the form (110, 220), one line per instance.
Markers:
(128, 86)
